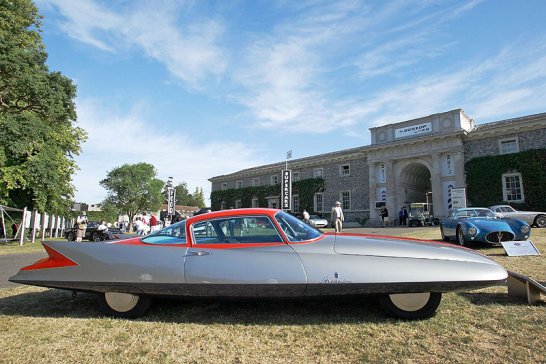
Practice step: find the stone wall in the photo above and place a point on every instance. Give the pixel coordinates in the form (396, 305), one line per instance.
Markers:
(489, 146)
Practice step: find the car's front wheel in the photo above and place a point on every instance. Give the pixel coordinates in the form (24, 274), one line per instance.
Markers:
(540, 221)
(444, 236)
(411, 306)
(124, 305)
(71, 236)
(460, 236)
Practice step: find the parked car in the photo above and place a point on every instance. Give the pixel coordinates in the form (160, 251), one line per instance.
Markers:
(482, 225)
(420, 214)
(202, 210)
(537, 219)
(225, 253)
(318, 221)
(91, 233)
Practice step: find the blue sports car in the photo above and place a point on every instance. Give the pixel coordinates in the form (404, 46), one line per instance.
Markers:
(482, 225)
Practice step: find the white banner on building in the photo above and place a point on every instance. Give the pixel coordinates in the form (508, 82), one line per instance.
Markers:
(381, 194)
(413, 130)
(447, 186)
(381, 174)
(286, 190)
(448, 165)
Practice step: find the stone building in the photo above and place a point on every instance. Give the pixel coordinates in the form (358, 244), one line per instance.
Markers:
(405, 162)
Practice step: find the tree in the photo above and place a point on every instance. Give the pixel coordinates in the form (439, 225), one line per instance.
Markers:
(198, 197)
(133, 188)
(37, 116)
(183, 195)
(185, 198)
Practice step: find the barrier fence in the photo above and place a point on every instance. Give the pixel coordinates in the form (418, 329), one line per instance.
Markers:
(33, 223)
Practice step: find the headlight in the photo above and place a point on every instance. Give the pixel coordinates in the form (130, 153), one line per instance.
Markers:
(472, 230)
(525, 229)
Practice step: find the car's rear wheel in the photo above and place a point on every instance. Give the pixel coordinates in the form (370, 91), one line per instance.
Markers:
(411, 306)
(124, 305)
(460, 236)
(540, 221)
(71, 236)
(95, 236)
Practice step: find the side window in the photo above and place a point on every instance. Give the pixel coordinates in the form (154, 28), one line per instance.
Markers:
(172, 234)
(238, 230)
(205, 233)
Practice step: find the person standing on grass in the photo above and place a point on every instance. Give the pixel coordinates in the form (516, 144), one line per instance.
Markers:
(384, 212)
(153, 223)
(337, 217)
(306, 216)
(81, 223)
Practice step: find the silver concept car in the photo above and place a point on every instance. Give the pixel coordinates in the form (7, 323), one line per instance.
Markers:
(261, 253)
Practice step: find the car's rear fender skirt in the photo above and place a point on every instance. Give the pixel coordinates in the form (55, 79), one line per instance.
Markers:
(337, 289)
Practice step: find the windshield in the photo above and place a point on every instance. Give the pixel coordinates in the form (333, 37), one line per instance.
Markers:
(172, 234)
(295, 229)
(463, 214)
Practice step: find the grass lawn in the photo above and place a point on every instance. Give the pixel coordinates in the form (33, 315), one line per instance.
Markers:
(47, 326)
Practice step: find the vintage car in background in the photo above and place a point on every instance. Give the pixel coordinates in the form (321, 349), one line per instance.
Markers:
(234, 253)
(92, 233)
(537, 219)
(421, 214)
(318, 221)
(482, 225)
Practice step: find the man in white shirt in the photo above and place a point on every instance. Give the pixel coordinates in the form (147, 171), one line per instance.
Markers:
(337, 217)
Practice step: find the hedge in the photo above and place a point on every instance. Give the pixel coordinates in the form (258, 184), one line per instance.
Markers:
(484, 179)
(305, 189)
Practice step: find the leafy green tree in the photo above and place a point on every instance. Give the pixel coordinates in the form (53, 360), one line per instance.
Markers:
(183, 195)
(133, 188)
(198, 197)
(185, 198)
(37, 117)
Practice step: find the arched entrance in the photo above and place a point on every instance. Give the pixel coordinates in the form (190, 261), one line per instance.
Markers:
(414, 182)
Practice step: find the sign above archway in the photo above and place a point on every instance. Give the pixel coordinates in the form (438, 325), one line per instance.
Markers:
(413, 130)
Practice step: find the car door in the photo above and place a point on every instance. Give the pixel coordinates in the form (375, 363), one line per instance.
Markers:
(242, 256)
(450, 224)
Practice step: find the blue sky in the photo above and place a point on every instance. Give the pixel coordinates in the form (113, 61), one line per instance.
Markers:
(204, 88)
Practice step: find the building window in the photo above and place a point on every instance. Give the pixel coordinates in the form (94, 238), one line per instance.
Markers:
(237, 204)
(296, 203)
(239, 184)
(345, 170)
(345, 197)
(295, 176)
(507, 146)
(255, 202)
(274, 179)
(318, 202)
(512, 187)
(318, 173)
(273, 202)
(255, 182)
(224, 186)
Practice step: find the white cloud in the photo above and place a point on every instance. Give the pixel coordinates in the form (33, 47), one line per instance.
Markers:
(188, 49)
(118, 138)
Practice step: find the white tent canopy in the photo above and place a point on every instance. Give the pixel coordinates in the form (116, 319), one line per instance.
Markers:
(4, 212)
